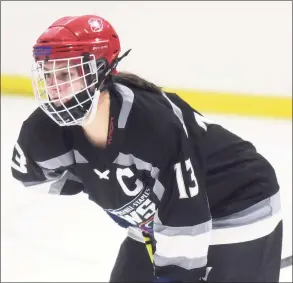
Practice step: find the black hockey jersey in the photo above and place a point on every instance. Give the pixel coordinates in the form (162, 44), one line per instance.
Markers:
(162, 171)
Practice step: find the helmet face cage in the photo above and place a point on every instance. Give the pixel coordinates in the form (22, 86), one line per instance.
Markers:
(79, 77)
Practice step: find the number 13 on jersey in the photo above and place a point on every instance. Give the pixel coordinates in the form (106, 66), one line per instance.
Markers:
(193, 190)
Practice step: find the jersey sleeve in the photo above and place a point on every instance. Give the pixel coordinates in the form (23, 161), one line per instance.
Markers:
(182, 222)
(32, 174)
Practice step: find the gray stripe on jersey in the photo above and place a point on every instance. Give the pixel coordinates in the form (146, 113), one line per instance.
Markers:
(128, 97)
(79, 158)
(158, 189)
(129, 159)
(157, 219)
(261, 210)
(57, 186)
(69, 177)
(135, 234)
(72, 177)
(50, 179)
(183, 231)
(63, 160)
(177, 112)
(51, 174)
(29, 184)
(183, 262)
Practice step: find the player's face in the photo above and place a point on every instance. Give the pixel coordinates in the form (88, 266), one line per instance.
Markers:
(62, 81)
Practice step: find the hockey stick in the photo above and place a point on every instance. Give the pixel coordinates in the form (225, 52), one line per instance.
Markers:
(287, 261)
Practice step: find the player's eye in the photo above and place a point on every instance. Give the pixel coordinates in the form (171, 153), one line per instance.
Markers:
(64, 75)
(47, 75)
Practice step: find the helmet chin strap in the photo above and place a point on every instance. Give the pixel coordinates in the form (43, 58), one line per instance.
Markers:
(113, 65)
(93, 109)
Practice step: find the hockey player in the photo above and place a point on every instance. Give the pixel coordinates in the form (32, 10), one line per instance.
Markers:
(198, 201)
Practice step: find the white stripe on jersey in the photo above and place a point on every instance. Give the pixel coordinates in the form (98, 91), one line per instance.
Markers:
(247, 232)
(182, 246)
(177, 111)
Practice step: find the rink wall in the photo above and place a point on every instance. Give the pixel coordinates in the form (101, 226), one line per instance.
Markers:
(221, 57)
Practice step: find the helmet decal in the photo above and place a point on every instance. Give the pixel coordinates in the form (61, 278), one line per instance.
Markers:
(95, 24)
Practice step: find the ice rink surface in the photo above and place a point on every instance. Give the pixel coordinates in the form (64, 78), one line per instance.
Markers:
(52, 238)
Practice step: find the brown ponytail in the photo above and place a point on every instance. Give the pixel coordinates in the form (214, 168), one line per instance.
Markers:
(132, 80)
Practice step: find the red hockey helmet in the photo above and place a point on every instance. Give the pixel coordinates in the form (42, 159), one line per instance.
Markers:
(71, 60)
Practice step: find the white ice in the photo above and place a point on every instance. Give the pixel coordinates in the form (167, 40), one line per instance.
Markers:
(51, 238)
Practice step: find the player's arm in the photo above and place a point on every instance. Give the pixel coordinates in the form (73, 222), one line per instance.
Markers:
(182, 223)
(26, 170)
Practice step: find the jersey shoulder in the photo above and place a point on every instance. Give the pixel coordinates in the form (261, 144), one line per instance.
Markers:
(158, 125)
(153, 116)
(42, 137)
